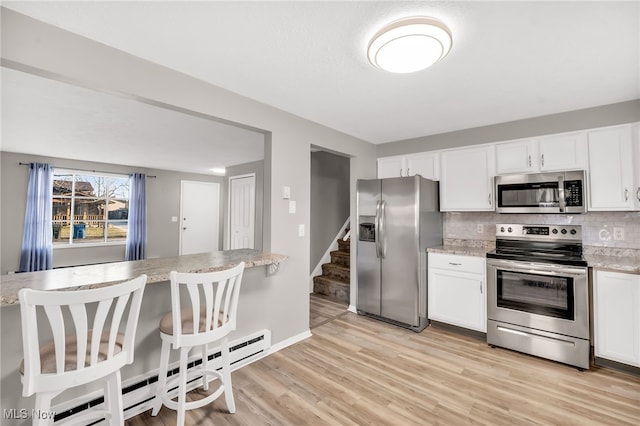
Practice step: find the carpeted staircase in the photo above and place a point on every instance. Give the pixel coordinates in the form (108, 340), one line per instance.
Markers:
(335, 278)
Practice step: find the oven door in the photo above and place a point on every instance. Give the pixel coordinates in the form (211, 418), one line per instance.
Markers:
(548, 297)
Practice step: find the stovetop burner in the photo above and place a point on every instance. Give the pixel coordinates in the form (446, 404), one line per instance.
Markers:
(557, 244)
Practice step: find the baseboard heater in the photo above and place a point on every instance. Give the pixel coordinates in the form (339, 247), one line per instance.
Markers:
(139, 392)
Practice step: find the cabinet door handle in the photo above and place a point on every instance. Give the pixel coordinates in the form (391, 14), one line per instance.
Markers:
(408, 171)
(401, 172)
(542, 160)
(454, 264)
(480, 287)
(626, 194)
(638, 193)
(490, 200)
(529, 160)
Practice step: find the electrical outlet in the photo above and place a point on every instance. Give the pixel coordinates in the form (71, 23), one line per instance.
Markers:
(479, 228)
(618, 234)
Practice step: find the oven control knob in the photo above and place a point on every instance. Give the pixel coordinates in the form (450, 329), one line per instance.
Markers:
(555, 231)
(502, 229)
(574, 232)
(509, 229)
(564, 231)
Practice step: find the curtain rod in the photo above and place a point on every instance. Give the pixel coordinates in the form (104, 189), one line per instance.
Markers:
(80, 170)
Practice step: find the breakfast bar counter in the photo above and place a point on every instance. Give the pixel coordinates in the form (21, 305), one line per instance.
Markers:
(157, 270)
(262, 300)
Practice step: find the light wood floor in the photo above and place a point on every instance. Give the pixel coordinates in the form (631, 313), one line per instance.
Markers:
(356, 371)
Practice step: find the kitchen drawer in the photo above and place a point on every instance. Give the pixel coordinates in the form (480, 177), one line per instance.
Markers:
(452, 262)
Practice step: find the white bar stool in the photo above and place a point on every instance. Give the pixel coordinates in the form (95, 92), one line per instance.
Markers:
(208, 319)
(82, 353)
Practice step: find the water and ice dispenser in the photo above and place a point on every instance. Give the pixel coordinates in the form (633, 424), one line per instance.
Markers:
(367, 231)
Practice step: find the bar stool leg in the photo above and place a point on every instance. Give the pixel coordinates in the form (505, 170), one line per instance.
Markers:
(162, 377)
(113, 398)
(42, 405)
(226, 376)
(205, 365)
(182, 387)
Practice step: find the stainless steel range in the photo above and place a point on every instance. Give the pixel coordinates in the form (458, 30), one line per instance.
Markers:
(538, 292)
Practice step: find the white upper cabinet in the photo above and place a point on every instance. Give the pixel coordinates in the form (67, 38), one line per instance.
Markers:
(466, 179)
(635, 138)
(425, 164)
(611, 175)
(517, 157)
(391, 167)
(567, 151)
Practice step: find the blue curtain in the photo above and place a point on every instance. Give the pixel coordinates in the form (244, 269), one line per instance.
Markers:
(137, 233)
(37, 238)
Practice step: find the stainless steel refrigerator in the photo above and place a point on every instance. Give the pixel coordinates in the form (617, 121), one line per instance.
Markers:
(398, 219)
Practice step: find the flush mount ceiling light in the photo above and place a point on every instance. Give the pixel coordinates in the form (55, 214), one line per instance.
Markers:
(410, 44)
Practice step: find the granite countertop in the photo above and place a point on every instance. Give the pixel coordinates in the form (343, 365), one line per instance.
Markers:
(157, 270)
(478, 248)
(613, 259)
(609, 258)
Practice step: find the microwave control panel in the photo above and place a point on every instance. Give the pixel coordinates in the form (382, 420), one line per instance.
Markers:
(573, 193)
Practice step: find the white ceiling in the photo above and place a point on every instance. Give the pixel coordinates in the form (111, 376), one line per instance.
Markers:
(509, 61)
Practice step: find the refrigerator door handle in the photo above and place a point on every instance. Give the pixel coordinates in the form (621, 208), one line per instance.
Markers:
(382, 242)
(376, 229)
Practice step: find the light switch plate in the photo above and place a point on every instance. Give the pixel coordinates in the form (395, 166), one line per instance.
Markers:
(286, 192)
(174, 218)
(292, 206)
(301, 230)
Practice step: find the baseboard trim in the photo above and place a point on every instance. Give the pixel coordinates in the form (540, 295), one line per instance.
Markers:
(290, 341)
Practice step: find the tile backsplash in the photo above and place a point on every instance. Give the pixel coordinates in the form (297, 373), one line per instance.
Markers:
(597, 227)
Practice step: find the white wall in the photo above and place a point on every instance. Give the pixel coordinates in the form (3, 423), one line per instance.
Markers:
(588, 118)
(31, 45)
(329, 201)
(27, 43)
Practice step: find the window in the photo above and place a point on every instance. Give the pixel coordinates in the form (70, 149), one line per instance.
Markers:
(89, 207)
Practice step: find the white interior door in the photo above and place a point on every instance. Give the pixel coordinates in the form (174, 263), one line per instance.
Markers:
(242, 211)
(199, 217)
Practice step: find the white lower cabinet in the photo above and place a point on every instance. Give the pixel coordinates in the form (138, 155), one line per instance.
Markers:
(457, 290)
(616, 303)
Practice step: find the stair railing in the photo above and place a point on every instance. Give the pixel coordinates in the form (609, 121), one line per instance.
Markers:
(326, 258)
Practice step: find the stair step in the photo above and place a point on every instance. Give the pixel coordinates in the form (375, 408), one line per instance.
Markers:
(341, 258)
(344, 245)
(331, 287)
(337, 272)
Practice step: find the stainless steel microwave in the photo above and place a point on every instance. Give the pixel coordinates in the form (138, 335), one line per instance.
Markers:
(561, 192)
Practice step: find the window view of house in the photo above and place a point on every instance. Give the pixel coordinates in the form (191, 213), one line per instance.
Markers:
(89, 208)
